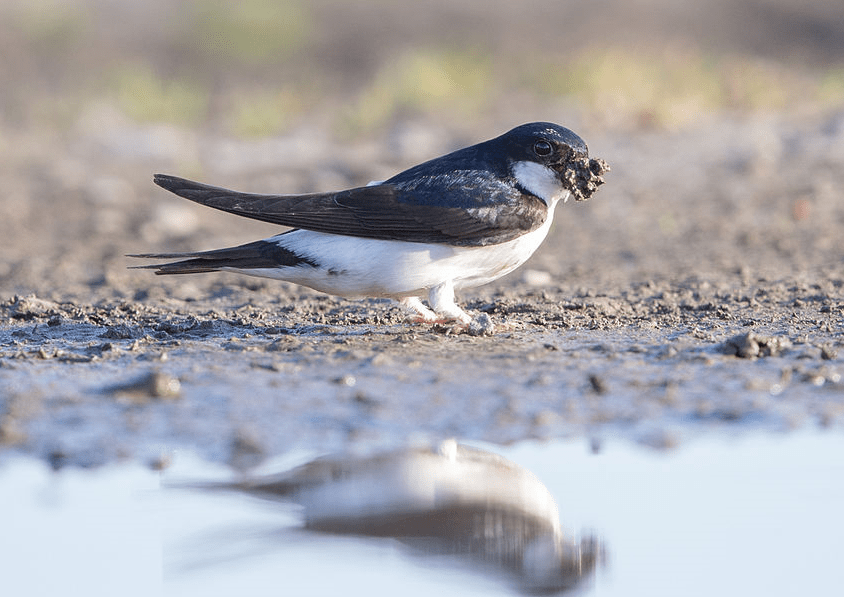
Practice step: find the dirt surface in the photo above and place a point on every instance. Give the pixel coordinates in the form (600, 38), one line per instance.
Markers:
(702, 287)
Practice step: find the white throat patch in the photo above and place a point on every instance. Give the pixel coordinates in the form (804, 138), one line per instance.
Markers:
(541, 181)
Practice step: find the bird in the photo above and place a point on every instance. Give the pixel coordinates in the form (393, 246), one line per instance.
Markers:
(457, 221)
(445, 498)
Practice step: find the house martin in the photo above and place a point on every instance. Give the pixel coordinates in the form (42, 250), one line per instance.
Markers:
(455, 501)
(458, 221)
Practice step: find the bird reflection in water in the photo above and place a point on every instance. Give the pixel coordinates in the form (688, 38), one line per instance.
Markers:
(452, 500)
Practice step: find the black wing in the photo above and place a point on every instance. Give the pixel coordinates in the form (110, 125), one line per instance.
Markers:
(463, 210)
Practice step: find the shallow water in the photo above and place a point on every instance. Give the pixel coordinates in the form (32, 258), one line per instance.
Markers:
(755, 514)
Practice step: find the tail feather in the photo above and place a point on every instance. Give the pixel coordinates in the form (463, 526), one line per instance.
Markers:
(275, 209)
(194, 191)
(261, 254)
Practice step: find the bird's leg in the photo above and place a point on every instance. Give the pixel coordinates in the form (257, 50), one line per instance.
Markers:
(441, 298)
(415, 305)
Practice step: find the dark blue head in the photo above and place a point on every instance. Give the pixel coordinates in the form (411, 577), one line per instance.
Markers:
(543, 142)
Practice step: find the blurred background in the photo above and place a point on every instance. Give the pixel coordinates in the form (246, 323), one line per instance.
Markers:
(295, 95)
(258, 68)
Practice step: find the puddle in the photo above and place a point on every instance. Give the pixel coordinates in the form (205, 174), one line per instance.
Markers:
(757, 514)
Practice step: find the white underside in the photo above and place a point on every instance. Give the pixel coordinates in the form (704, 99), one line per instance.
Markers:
(360, 267)
(357, 267)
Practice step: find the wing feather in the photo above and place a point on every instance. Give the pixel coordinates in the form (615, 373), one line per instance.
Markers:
(437, 209)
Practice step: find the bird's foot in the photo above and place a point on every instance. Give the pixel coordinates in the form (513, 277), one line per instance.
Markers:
(449, 318)
(423, 314)
(450, 314)
(441, 298)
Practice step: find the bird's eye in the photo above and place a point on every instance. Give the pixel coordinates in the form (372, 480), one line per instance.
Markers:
(542, 148)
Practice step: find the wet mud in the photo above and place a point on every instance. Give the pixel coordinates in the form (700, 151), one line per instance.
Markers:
(701, 289)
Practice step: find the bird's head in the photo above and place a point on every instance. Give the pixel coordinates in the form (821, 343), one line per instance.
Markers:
(550, 161)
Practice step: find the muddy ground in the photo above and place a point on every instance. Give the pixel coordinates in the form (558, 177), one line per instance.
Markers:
(701, 288)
